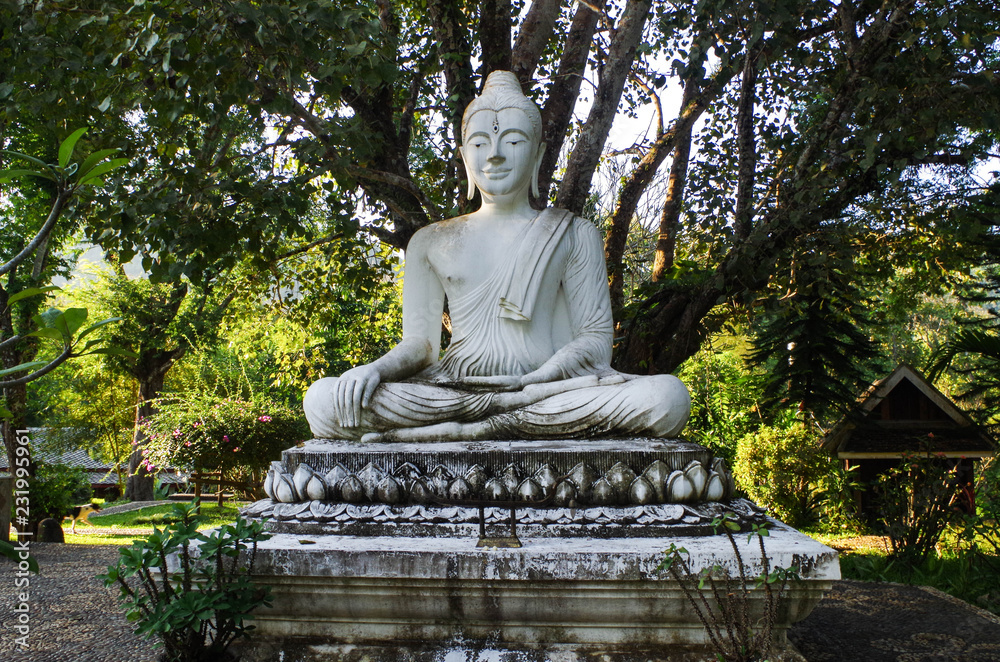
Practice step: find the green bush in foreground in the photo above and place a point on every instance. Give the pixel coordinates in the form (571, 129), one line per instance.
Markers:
(201, 607)
(783, 470)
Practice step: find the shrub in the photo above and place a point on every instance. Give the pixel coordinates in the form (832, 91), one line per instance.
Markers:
(782, 469)
(198, 610)
(240, 438)
(56, 488)
(916, 502)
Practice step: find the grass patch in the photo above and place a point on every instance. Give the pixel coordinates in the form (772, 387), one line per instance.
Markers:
(118, 540)
(107, 529)
(969, 576)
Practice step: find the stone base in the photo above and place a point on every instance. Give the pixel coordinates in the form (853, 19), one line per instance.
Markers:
(343, 598)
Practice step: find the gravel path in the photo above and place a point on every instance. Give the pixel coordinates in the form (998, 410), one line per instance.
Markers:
(73, 617)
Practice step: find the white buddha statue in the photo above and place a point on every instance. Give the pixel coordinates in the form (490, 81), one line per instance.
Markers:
(528, 297)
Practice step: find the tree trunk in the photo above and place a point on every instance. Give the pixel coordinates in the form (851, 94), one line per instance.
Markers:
(565, 89)
(587, 153)
(140, 483)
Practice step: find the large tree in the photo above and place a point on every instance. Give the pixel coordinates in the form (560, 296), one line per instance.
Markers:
(776, 123)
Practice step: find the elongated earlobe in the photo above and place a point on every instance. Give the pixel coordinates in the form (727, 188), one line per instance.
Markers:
(534, 174)
(471, 189)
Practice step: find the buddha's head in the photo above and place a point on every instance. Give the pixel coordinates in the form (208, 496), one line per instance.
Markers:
(502, 139)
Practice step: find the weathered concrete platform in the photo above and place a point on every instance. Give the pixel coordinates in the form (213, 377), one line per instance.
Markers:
(343, 598)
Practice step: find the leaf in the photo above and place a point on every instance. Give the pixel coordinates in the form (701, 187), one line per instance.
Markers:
(95, 158)
(14, 174)
(95, 326)
(68, 145)
(30, 365)
(30, 292)
(104, 105)
(26, 157)
(46, 332)
(102, 168)
(72, 320)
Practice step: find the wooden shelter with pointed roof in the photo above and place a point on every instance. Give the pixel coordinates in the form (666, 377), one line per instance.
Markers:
(905, 414)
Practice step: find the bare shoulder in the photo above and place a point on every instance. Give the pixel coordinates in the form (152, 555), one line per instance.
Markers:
(435, 232)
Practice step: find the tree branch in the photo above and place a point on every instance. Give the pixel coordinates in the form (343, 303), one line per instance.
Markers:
(587, 153)
(565, 89)
(62, 197)
(494, 37)
(41, 372)
(535, 32)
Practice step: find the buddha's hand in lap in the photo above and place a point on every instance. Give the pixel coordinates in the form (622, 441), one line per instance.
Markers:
(354, 390)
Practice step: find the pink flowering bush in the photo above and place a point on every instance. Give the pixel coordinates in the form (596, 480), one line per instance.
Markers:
(238, 437)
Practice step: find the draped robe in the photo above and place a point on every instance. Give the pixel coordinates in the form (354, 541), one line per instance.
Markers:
(557, 265)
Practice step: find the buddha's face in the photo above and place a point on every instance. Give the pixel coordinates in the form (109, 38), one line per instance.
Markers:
(499, 152)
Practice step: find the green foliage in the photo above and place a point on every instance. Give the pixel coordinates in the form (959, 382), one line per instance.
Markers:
(724, 398)
(839, 505)
(783, 469)
(737, 632)
(917, 501)
(815, 341)
(240, 438)
(66, 179)
(56, 488)
(981, 344)
(198, 610)
(210, 515)
(964, 561)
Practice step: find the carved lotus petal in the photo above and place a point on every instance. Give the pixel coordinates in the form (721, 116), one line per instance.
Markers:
(679, 487)
(407, 472)
(300, 479)
(370, 477)
(332, 480)
(565, 494)
(698, 477)
(440, 479)
(602, 493)
(583, 476)
(441, 471)
(719, 467)
(419, 492)
(315, 488)
(641, 492)
(716, 489)
(657, 474)
(620, 477)
(546, 478)
(269, 485)
(284, 490)
(511, 479)
(459, 489)
(529, 490)
(476, 477)
(388, 491)
(352, 490)
(495, 490)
